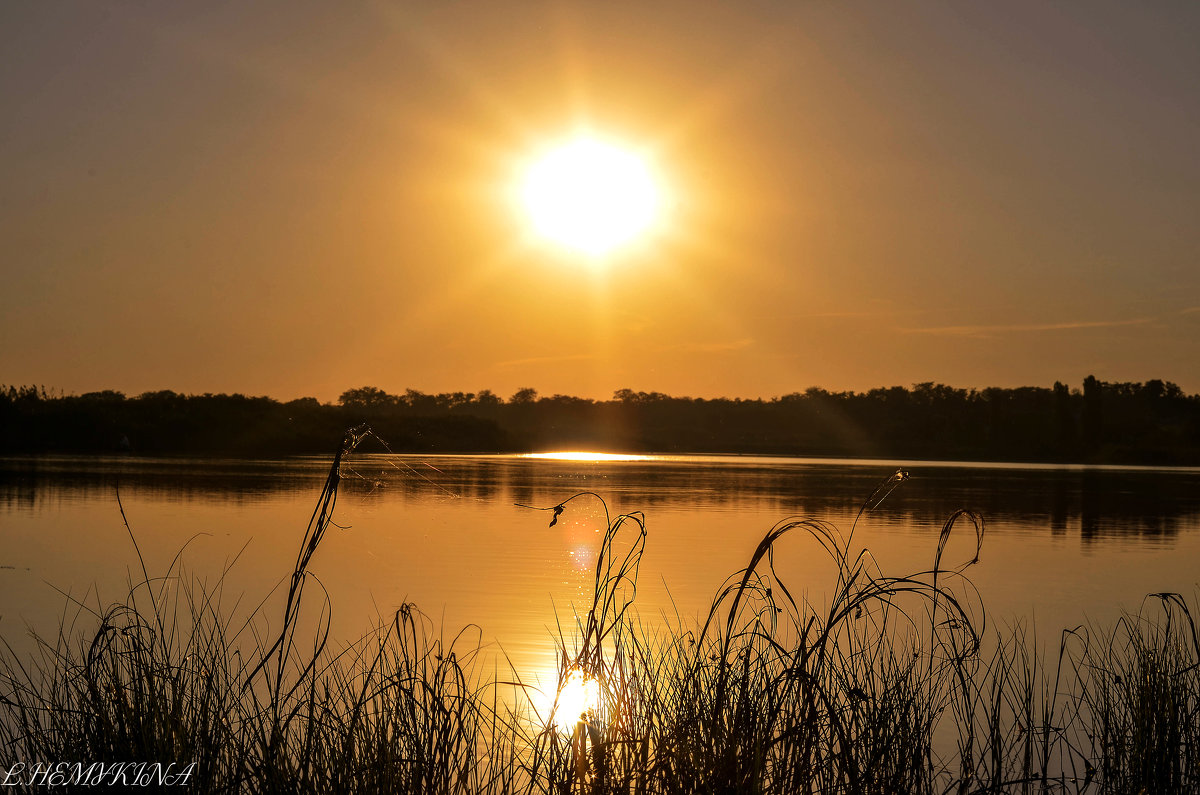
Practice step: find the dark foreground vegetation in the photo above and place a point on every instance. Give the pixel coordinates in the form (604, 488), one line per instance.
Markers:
(1138, 423)
(891, 685)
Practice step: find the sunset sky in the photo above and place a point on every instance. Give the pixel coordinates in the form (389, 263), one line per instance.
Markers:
(297, 198)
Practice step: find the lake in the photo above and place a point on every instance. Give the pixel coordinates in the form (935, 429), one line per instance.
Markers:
(1064, 544)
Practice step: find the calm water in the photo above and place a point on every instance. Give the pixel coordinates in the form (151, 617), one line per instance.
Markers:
(1063, 544)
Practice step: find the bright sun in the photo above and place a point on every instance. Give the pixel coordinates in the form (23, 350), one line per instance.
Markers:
(591, 196)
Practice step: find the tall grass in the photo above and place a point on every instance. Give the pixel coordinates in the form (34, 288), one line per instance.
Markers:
(891, 684)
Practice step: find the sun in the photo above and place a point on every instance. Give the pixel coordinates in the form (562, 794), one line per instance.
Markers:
(591, 196)
(577, 699)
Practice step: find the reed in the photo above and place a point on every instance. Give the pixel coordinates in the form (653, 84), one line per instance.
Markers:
(892, 684)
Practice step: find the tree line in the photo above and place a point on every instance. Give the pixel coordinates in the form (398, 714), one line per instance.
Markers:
(1099, 422)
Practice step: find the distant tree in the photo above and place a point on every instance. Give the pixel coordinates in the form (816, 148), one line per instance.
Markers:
(458, 400)
(418, 401)
(1093, 412)
(487, 398)
(105, 396)
(366, 397)
(523, 396)
(1064, 418)
(629, 396)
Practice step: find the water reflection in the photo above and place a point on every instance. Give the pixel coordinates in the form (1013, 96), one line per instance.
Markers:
(26, 481)
(1100, 503)
(447, 533)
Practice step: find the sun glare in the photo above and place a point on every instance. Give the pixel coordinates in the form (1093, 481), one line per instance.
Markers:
(579, 695)
(591, 196)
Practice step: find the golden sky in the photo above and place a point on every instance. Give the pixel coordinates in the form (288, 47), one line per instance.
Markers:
(297, 198)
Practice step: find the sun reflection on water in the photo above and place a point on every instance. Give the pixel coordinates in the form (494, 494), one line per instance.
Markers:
(583, 455)
(578, 696)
